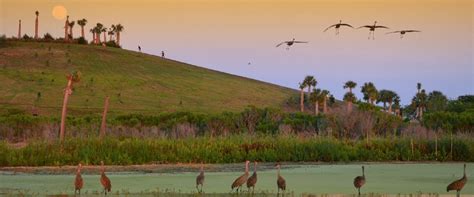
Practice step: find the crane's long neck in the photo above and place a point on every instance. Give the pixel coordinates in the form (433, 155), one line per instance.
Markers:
(278, 171)
(363, 173)
(246, 168)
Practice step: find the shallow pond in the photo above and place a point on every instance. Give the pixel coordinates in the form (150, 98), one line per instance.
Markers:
(301, 179)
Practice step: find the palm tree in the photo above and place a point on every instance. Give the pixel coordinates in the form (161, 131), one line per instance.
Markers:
(82, 23)
(92, 30)
(72, 77)
(310, 81)
(111, 32)
(302, 86)
(392, 96)
(370, 92)
(383, 97)
(350, 98)
(118, 28)
(98, 31)
(350, 85)
(104, 30)
(420, 100)
(66, 27)
(325, 95)
(396, 105)
(71, 25)
(316, 98)
(36, 25)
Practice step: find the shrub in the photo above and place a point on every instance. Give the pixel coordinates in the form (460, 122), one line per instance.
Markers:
(81, 40)
(112, 44)
(48, 37)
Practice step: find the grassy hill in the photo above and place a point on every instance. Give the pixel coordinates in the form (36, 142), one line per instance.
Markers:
(34, 74)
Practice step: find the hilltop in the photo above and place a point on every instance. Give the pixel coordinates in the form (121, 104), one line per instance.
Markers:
(34, 74)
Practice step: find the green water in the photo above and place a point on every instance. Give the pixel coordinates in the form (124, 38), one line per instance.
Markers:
(314, 179)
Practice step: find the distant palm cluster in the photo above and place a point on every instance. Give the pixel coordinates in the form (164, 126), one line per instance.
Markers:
(113, 32)
(371, 95)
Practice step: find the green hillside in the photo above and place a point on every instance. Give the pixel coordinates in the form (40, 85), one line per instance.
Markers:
(34, 74)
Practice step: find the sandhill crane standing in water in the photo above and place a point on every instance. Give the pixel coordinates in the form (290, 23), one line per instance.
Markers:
(289, 43)
(104, 180)
(281, 183)
(337, 26)
(403, 32)
(252, 181)
(372, 29)
(200, 179)
(78, 183)
(242, 179)
(359, 181)
(458, 184)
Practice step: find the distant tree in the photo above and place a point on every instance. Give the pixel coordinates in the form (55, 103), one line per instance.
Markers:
(316, 98)
(396, 105)
(350, 84)
(111, 32)
(419, 101)
(302, 87)
(118, 29)
(98, 31)
(310, 82)
(73, 77)
(71, 25)
(349, 97)
(94, 39)
(66, 29)
(325, 95)
(36, 25)
(437, 101)
(104, 31)
(370, 92)
(82, 23)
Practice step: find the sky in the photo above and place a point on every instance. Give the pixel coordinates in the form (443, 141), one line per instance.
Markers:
(227, 35)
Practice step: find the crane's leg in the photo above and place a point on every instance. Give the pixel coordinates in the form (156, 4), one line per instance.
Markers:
(197, 187)
(458, 193)
(359, 190)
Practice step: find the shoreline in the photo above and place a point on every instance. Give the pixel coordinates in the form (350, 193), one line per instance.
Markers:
(182, 167)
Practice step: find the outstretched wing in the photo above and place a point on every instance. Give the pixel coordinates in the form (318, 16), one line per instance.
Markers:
(392, 32)
(281, 43)
(329, 27)
(412, 31)
(366, 26)
(300, 42)
(345, 24)
(379, 26)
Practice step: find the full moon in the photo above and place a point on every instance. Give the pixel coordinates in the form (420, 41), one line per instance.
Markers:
(59, 12)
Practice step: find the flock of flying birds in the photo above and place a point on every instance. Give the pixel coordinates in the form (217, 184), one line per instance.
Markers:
(336, 26)
(239, 182)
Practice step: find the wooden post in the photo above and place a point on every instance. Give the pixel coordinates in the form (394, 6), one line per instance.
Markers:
(451, 145)
(67, 92)
(19, 29)
(436, 146)
(104, 118)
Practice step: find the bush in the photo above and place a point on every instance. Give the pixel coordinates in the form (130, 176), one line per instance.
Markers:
(81, 40)
(230, 149)
(48, 37)
(112, 44)
(26, 37)
(3, 40)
